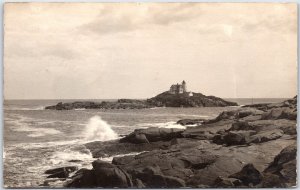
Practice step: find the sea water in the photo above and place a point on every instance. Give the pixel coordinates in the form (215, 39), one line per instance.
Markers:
(36, 139)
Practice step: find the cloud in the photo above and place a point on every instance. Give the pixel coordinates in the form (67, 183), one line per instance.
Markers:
(129, 17)
(133, 50)
(110, 25)
(271, 24)
(174, 13)
(30, 50)
(279, 18)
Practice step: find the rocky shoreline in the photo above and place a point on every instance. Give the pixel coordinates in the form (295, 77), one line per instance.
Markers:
(165, 99)
(254, 146)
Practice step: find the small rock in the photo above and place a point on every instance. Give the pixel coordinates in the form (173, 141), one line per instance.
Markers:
(75, 161)
(68, 169)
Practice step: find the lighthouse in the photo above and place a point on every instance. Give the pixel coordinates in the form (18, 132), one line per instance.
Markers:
(183, 86)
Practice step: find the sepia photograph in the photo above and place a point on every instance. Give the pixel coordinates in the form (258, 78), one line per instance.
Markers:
(150, 95)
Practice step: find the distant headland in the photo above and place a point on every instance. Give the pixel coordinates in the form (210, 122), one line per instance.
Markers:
(176, 96)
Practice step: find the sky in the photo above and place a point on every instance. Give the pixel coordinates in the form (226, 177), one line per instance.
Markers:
(138, 50)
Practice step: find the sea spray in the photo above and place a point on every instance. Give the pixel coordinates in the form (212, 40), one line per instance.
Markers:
(98, 129)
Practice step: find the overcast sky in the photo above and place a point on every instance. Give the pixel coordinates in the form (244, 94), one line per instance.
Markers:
(113, 50)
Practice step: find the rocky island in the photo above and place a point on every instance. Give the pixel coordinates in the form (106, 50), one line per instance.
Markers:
(253, 146)
(177, 96)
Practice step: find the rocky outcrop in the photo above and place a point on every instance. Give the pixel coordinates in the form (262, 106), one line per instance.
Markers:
(240, 149)
(167, 99)
(280, 113)
(282, 171)
(290, 103)
(162, 100)
(104, 175)
(120, 104)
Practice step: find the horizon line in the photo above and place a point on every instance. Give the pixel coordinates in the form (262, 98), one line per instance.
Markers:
(135, 98)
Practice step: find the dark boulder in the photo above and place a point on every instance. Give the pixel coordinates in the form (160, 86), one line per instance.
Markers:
(249, 175)
(238, 137)
(109, 175)
(152, 134)
(83, 178)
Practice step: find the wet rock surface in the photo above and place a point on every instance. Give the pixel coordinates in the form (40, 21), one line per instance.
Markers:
(248, 147)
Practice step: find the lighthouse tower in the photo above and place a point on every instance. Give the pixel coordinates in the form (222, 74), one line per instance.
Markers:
(184, 86)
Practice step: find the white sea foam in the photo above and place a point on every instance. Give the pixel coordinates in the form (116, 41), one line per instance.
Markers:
(35, 131)
(109, 159)
(171, 124)
(24, 108)
(63, 157)
(190, 115)
(47, 144)
(98, 129)
(20, 124)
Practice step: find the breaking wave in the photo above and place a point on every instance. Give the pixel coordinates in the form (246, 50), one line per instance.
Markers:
(98, 129)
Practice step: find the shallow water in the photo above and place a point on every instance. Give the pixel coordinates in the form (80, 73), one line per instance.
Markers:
(36, 140)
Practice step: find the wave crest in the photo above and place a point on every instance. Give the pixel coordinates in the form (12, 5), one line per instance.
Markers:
(98, 129)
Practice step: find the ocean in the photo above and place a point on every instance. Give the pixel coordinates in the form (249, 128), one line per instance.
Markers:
(36, 139)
